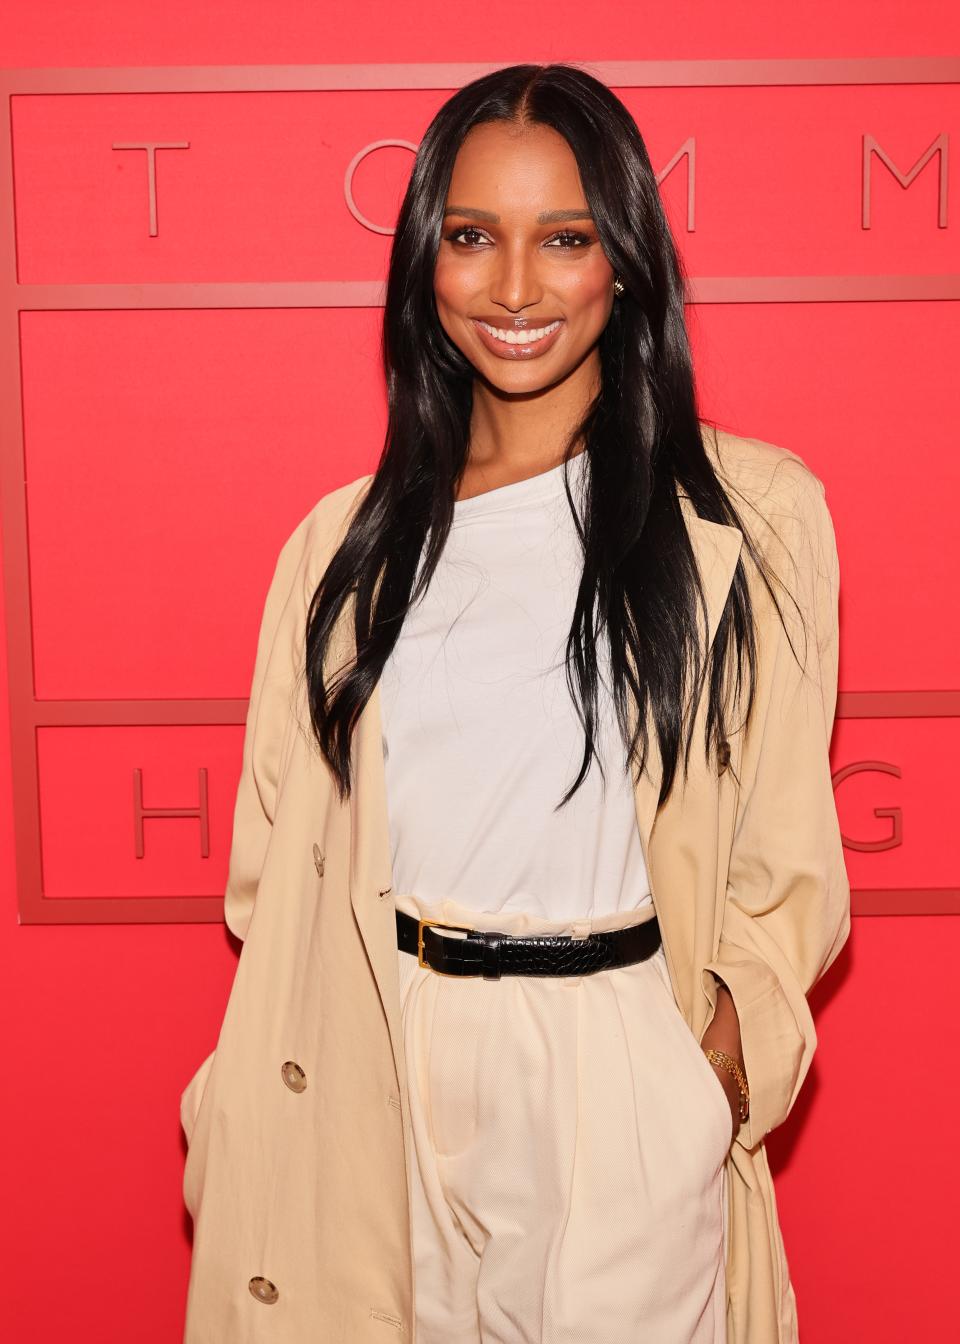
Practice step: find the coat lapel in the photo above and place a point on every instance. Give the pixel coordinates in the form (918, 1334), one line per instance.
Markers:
(371, 864)
(371, 892)
(716, 549)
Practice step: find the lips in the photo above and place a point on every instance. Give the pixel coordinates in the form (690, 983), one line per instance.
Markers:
(529, 350)
(502, 323)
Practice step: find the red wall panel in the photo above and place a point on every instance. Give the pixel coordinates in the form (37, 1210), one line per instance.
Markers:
(169, 454)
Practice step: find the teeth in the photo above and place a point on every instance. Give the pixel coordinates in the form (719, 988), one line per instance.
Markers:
(520, 337)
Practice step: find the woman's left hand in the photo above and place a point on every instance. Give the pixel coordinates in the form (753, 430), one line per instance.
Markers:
(723, 1033)
(733, 1093)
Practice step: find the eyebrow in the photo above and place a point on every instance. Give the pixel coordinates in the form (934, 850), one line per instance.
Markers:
(545, 217)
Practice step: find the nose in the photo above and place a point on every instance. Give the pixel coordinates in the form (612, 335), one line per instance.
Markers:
(515, 284)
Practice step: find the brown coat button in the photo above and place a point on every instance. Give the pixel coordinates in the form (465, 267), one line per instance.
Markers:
(723, 756)
(318, 860)
(293, 1076)
(263, 1290)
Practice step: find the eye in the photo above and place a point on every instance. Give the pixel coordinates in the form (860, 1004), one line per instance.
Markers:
(571, 239)
(459, 233)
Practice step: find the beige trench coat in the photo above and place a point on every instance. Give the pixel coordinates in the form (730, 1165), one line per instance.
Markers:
(296, 1122)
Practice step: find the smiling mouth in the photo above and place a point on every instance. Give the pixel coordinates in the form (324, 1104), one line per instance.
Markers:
(528, 336)
(519, 344)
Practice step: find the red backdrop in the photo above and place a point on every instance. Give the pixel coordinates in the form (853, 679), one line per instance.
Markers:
(188, 364)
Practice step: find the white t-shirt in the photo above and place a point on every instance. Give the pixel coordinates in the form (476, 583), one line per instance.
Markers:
(480, 734)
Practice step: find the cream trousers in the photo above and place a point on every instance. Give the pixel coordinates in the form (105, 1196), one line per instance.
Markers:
(566, 1155)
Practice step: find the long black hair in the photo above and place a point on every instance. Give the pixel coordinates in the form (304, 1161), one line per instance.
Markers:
(641, 434)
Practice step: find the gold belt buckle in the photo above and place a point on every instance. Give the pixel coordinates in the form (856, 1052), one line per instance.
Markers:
(432, 923)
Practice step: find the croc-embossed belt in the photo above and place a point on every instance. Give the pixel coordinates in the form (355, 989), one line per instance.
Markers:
(491, 954)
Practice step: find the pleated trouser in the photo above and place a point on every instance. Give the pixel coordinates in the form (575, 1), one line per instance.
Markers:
(566, 1163)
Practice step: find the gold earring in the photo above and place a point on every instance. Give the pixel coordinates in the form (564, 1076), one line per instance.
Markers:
(618, 286)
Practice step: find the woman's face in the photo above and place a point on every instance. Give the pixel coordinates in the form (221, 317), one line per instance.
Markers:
(520, 253)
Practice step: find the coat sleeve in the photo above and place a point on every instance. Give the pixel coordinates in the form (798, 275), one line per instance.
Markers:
(270, 719)
(787, 907)
(280, 647)
(279, 666)
(274, 669)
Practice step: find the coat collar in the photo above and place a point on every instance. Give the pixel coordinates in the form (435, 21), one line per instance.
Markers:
(716, 549)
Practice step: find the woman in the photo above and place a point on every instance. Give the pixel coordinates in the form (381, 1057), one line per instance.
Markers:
(535, 854)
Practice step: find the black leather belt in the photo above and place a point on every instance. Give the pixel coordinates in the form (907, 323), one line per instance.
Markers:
(492, 954)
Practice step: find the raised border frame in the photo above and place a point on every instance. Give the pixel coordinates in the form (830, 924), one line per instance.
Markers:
(29, 714)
